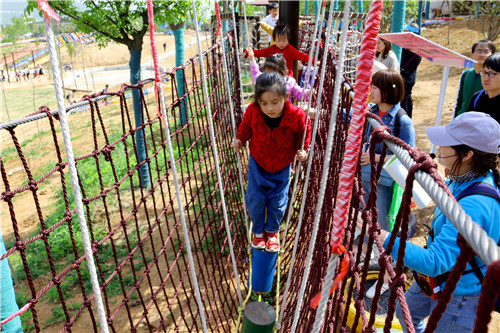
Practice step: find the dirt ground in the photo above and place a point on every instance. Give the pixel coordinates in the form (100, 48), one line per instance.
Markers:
(462, 34)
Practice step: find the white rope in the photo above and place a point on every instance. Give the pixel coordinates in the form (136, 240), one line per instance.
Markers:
(332, 264)
(294, 190)
(214, 145)
(181, 211)
(235, 130)
(316, 221)
(54, 64)
(238, 63)
(485, 247)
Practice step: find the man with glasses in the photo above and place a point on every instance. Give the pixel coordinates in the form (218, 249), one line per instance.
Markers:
(488, 100)
(470, 81)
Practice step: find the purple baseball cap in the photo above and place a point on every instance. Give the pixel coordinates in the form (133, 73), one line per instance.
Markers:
(477, 130)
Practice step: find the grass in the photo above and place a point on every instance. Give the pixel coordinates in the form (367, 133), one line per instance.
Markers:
(20, 101)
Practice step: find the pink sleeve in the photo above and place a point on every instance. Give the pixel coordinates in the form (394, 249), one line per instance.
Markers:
(254, 71)
(296, 90)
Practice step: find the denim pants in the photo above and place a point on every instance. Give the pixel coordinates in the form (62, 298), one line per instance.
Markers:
(384, 200)
(266, 191)
(459, 316)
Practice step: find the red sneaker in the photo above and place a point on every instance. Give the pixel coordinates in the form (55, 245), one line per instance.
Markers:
(273, 242)
(259, 241)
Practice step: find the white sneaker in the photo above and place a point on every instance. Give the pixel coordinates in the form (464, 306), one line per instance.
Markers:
(370, 293)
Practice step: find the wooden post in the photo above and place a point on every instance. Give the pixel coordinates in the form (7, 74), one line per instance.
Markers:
(6, 67)
(14, 62)
(289, 15)
(258, 317)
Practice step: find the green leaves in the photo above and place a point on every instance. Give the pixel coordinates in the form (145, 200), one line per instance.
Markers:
(124, 22)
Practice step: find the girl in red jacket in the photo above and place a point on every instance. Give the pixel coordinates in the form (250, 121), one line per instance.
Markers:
(281, 35)
(274, 127)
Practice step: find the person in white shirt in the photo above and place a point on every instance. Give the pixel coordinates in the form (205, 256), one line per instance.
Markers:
(385, 54)
(272, 18)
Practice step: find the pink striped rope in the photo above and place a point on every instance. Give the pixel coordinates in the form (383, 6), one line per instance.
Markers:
(154, 52)
(151, 21)
(15, 314)
(361, 91)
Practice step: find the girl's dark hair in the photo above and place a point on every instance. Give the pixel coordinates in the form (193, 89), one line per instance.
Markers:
(486, 42)
(388, 47)
(481, 162)
(270, 82)
(276, 63)
(493, 62)
(281, 30)
(391, 85)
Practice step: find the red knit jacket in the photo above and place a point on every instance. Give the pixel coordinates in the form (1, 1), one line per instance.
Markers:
(274, 150)
(290, 54)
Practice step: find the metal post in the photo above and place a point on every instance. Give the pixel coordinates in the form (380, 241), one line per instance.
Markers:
(398, 22)
(442, 93)
(419, 17)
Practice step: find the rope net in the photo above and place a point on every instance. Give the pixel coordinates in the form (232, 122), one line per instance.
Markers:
(137, 239)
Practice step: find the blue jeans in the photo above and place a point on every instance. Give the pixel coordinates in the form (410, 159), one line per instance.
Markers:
(266, 191)
(384, 200)
(459, 316)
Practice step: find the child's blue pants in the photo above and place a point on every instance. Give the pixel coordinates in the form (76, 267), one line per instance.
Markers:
(266, 190)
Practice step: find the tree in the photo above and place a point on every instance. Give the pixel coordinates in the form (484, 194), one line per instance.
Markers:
(124, 22)
(490, 11)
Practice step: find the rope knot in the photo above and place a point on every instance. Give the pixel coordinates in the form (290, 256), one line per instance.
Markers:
(32, 185)
(107, 152)
(88, 303)
(7, 196)
(56, 280)
(397, 282)
(20, 245)
(60, 166)
(378, 133)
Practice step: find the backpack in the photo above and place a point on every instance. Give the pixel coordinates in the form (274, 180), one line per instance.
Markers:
(488, 190)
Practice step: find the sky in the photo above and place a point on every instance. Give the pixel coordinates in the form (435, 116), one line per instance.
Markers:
(10, 9)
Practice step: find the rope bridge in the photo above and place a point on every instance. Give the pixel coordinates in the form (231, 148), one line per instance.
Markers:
(137, 237)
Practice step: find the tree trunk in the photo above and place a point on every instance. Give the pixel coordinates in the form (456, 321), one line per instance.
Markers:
(140, 140)
(178, 30)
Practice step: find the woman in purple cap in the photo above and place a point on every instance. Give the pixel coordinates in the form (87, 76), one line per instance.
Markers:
(469, 147)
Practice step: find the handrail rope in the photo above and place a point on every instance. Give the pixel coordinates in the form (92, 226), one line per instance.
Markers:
(214, 143)
(54, 63)
(320, 312)
(215, 151)
(174, 175)
(238, 63)
(235, 130)
(484, 246)
(308, 76)
(241, 308)
(30, 118)
(294, 189)
(316, 222)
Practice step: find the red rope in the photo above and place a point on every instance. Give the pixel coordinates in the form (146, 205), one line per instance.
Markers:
(154, 51)
(361, 91)
(488, 297)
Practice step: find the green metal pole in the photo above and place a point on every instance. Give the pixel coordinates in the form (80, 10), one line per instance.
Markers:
(316, 9)
(427, 9)
(336, 5)
(398, 22)
(306, 7)
(419, 18)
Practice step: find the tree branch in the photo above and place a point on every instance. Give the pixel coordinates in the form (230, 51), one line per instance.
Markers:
(125, 40)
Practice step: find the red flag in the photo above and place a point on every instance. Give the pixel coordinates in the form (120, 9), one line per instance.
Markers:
(43, 5)
(217, 12)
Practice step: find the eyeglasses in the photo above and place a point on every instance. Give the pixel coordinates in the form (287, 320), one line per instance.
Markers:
(491, 75)
(482, 51)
